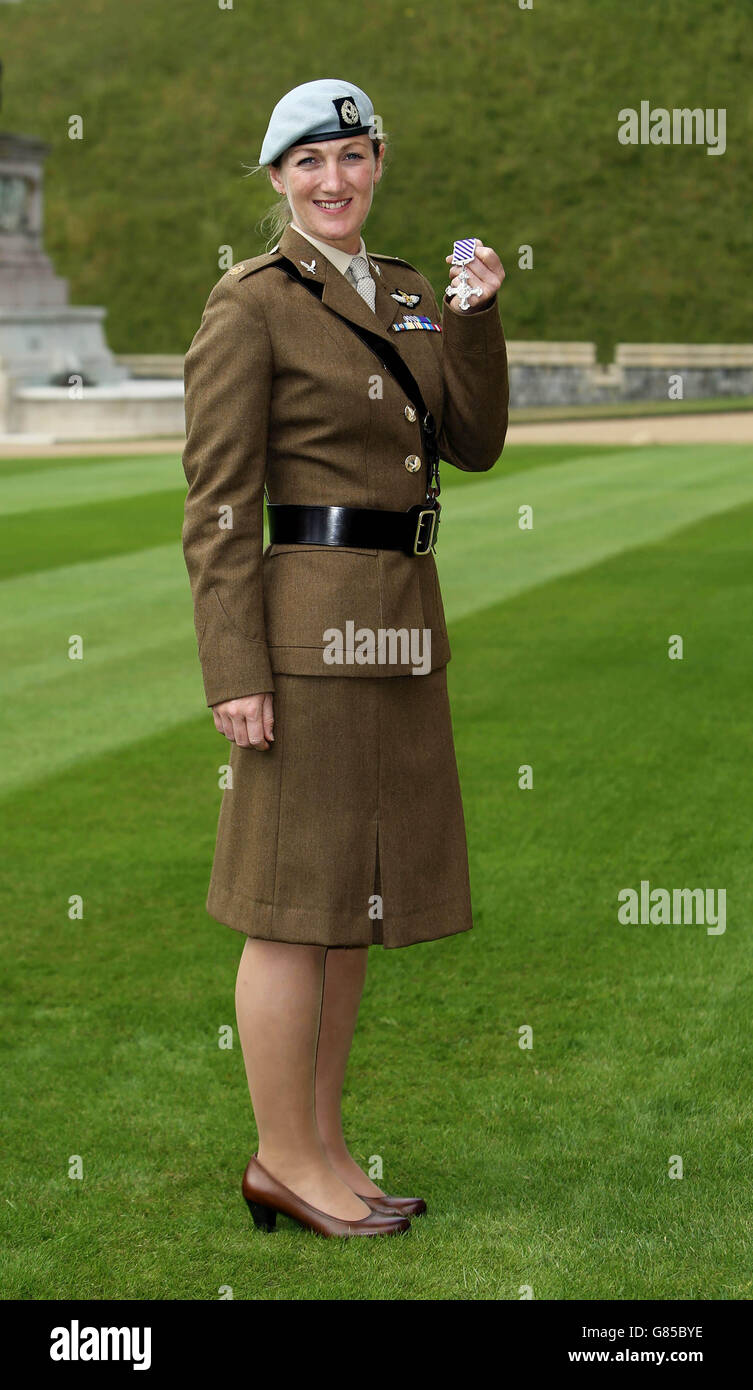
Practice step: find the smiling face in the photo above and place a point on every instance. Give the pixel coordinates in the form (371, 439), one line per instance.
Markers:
(330, 185)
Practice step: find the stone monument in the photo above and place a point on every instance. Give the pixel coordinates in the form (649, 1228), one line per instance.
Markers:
(44, 340)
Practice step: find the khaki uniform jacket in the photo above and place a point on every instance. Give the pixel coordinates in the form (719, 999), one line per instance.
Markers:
(281, 393)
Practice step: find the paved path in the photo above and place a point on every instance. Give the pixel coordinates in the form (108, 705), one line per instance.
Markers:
(123, 448)
(726, 427)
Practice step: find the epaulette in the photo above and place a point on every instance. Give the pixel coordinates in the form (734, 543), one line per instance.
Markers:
(397, 260)
(248, 267)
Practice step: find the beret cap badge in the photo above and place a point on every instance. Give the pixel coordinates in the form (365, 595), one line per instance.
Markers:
(347, 112)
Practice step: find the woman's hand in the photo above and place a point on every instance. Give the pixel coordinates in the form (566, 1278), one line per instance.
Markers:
(248, 721)
(485, 271)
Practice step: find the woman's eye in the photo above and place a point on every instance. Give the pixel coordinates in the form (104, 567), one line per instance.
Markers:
(309, 158)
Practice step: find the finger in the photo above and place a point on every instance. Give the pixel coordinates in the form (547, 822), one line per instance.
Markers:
(217, 721)
(457, 270)
(254, 730)
(226, 726)
(240, 730)
(482, 270)
(488, 258)
(476, 282)
(477, 273)
(489, 282)
(268, 718)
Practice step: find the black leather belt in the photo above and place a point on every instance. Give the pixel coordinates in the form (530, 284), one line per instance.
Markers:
(366, 528)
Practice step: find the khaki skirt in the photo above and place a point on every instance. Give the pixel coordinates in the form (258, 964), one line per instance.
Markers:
(349, 830)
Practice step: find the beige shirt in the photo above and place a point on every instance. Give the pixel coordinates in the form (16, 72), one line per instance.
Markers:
(340, 259)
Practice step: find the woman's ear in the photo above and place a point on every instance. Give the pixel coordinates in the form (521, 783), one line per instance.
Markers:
(275, 179)
(379, 164)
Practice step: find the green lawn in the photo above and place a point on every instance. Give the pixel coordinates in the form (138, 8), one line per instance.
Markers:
(546, 1167)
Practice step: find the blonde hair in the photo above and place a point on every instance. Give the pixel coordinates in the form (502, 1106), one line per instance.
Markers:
(279, 215)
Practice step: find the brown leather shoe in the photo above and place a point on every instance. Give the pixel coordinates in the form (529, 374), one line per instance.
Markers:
(402, 1206)
(266, 1197)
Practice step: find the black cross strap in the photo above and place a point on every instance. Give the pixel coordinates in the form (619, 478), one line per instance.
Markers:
(394, 364)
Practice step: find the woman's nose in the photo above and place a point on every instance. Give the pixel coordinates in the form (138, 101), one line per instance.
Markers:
(332, 180)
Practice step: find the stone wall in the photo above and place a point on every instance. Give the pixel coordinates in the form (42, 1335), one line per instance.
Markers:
(568, 374)
(552, 374)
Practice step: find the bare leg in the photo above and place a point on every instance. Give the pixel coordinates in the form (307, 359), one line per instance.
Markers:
(345, 972)
(278, 1005)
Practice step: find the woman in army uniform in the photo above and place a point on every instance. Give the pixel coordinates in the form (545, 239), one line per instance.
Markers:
(323, 374)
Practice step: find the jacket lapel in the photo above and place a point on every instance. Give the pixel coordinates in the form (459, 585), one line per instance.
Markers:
(339, 295)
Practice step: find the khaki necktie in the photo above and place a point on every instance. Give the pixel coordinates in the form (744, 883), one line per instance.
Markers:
(359, 269)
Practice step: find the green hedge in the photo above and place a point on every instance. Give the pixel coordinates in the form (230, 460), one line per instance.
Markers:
(503, 124)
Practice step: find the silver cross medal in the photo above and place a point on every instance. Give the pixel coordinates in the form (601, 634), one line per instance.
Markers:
(463, 252)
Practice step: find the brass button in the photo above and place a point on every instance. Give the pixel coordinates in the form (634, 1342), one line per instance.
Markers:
(410, 414)
(413, 463)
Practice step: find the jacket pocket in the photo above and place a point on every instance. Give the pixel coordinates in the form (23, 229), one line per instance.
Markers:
(310, 590)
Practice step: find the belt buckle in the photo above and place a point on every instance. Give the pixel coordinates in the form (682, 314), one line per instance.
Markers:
(422, 514)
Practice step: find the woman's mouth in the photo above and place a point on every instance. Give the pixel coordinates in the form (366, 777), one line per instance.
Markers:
(332, 204)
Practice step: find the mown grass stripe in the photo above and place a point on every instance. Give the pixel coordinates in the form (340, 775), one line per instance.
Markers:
(44, 540)
(582, 513)
(82, 482)
(48, 463)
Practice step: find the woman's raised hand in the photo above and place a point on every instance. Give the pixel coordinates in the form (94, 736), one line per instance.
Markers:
(248, 721)
(485, 272)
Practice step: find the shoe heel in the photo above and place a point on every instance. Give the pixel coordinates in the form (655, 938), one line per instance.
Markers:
(264, 1217)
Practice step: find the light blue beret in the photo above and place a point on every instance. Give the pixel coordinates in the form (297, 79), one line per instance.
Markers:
(325, 110)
